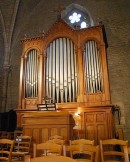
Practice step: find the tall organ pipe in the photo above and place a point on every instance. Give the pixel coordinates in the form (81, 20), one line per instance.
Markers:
(92, 68)
(63, 70)
(31, 74)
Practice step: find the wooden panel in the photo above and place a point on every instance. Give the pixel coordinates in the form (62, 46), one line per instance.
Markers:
(98, 124)
(101, 132)
(42, 125)
(64, 133)
(27, 131)
(36, 135)
(54, 130)
(100, 117)
(90, 132)
(101, 126)
(90, 125)
(45, 135)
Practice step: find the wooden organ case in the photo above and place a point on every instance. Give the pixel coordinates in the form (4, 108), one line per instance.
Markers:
(70, 67)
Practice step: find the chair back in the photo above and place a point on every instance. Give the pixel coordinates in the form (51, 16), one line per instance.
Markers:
(85, 153)
(56, 137)
(6, 147)
(114, 149)
(22, 144)
(47, 148)
(57, 141)
(21, 147)
(81, 141)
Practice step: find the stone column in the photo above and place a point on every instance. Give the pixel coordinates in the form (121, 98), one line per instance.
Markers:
(6, 72)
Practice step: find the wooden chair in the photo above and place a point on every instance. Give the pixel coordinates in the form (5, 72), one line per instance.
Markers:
(56, 137)
(85, 153)
(49, 159)
(6, 147)
(21, 148)
(4, 135)
(128, 150)
(110, 152)
(57, 141)
(78, 148)
(47, 148)
(81, 141)
(120, 134)
(17, 133)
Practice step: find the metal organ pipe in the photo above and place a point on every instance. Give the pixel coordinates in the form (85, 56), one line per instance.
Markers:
(47, 76)
(72, 69)
(31, 74)
(53, 72)
(63, 71)
(69, 70)
(92, 68)
(50, 71)
(57, 71)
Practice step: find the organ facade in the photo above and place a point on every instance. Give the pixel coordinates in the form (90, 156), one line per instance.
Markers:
(68, 67)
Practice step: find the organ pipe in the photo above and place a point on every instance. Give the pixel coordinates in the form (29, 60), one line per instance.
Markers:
(63, 71)
(92, 68)
(31, 74)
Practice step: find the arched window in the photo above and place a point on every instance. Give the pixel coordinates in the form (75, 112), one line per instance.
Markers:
(77, 16)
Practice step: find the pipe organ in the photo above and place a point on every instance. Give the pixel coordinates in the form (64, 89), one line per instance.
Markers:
(69, 67)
